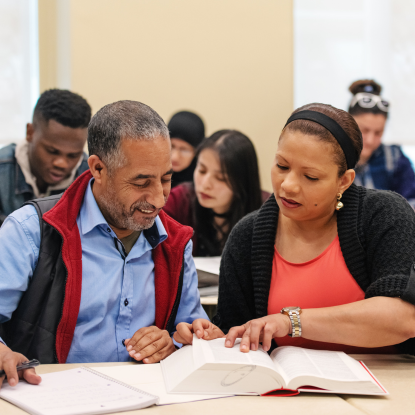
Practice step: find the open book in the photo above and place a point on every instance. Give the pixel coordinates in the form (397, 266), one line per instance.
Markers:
(209, 367)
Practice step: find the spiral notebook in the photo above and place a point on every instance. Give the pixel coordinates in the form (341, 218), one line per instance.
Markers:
(75, 392)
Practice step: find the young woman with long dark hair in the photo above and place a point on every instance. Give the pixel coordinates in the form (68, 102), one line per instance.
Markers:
(226, 188)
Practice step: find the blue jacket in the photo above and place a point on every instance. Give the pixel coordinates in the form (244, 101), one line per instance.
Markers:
(14, 191)
(388, 169)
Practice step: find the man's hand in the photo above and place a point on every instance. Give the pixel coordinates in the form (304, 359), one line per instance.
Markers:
(259, 330)
(150, 345)
(203, 329)
(8, 362)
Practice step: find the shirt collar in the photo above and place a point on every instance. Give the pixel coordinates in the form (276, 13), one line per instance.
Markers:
(92, 217)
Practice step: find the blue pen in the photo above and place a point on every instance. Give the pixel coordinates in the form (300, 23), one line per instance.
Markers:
(23, 366)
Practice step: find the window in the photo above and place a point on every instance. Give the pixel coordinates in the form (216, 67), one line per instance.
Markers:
(338, 42)
(19, 67)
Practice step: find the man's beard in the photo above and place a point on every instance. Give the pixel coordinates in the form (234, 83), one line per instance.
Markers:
(121, 217)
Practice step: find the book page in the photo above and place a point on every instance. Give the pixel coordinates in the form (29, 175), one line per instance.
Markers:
(293, 361)
(178, 366)
(214, 351)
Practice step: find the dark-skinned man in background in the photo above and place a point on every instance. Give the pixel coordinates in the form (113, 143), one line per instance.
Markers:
(52, 155)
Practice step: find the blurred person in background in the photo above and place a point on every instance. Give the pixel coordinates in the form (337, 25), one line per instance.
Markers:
(381, 166)
(186, 131)
(226, 188)
(52, 156)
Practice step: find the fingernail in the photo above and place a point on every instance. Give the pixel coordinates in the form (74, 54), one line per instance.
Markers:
(137, 356)
(228, 343)
(243, 347)
(145, 360)
(206, 334)
(253, 346)
(12, 381)
(132, 353)
(129, 348)
(199, 333)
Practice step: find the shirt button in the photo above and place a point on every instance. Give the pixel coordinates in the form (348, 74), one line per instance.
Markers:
(123, 342)
(108, 230)
(126, 302)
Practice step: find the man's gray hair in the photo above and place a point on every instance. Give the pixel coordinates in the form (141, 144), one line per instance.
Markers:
(120, 120)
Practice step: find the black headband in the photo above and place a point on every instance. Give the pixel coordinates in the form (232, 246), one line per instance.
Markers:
(329, 124)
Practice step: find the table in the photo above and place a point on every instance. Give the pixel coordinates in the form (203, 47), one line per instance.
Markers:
(210, 305)
(395, 372)
(397, 375)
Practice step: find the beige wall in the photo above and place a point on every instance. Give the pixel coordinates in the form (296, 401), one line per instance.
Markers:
(231, 61)
(47, 44)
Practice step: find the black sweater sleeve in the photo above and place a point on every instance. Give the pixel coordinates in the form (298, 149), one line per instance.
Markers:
(236, 300)
(389, 229)
(389, 232)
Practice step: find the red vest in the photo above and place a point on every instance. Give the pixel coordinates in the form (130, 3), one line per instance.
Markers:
(167, 256)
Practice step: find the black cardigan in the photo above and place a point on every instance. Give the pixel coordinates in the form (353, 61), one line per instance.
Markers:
(377, 237)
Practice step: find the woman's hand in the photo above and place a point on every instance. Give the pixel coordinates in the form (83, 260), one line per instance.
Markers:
(203, 329)
(259, 330)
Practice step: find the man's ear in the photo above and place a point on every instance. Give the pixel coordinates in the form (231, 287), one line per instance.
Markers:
(346, 180)
(29, 132)
(98, 169)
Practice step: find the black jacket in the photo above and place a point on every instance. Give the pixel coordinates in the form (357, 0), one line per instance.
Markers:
(32, 328)
(377, 237)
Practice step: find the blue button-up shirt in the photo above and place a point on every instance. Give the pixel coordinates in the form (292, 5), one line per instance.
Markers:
(118, 295)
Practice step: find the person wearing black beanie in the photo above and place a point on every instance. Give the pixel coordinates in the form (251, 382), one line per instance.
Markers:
(186, 131)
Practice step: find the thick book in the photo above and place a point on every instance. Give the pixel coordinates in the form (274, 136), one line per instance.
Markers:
(76, 392)
(209, 367)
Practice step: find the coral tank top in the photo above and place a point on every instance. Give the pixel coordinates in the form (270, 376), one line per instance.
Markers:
(325, 281)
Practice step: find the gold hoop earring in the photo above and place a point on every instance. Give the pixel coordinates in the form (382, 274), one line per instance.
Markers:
(339, 204)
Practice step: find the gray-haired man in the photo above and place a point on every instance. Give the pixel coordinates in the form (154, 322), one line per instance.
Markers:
(115, 274)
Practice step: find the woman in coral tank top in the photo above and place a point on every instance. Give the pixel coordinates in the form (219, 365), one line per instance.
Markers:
(324, 264)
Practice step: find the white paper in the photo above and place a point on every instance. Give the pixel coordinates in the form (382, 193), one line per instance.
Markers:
(75, 392)
(208, 264)
(149, 378)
